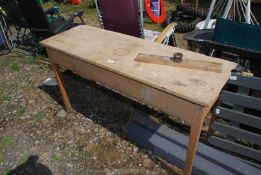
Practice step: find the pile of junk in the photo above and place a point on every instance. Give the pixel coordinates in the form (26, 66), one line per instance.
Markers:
(228, 29)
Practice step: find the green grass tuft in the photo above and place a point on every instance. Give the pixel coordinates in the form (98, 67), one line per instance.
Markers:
(2, 158)
(8, 172)
(5, 97)
(20, 111)
(24, 156)
(31, 60)
(56, 157)
(10, 64)
(6, 141)
(39, 116)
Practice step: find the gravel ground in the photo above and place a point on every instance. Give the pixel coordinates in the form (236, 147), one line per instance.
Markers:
(90, 140)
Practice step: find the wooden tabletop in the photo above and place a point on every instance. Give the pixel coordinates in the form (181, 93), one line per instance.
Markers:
(116, 52)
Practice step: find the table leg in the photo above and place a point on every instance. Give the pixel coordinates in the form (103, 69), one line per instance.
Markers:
(58, 77)
(194, 136)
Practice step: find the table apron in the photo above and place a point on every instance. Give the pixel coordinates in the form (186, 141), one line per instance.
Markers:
(174, 106)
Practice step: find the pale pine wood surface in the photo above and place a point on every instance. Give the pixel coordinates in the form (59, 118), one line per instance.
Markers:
(189, 64)
(116, 52)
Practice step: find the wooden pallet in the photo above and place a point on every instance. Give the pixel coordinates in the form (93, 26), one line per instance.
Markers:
(172, 145)
(238, 118)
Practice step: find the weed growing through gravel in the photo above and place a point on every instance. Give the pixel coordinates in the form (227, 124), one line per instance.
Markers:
(67, 152)
(2, 158)
(31, 60)
(6, 141)
(10, 64)
(56, 157)
(24, 156)
(39, 116)
(5, 97)
(7, 172)
(20, 111)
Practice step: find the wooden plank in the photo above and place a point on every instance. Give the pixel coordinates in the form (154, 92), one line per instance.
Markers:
(116, 52)
(205, 154)
(165, 32)
(242, 100)
(236, 148)
(186, 63)
(256, 165)
(170, 151)
(240, 117)
(174, 106)
(237, 132)
(219, 158)
(243, 91)
(249, 82)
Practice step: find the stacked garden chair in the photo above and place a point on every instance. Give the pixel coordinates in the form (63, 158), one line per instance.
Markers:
(14, 17)
(5, 38)
(44, 24)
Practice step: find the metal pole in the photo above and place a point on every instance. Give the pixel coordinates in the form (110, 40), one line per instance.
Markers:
(210, 13)
(248, 12)
(99, 14)
(141, 18)
(228, 7)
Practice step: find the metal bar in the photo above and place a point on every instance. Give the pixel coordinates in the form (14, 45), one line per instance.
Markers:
(228, 7)
(141, 18)
(248, 12)
(209, 13)
(99, 14)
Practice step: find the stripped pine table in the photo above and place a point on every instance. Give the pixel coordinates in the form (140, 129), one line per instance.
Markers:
(109, 59)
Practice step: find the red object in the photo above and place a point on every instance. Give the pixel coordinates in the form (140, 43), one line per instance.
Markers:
(154, 18)
(75, 2)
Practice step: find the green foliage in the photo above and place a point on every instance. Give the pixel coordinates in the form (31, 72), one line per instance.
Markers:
(2, 158)
(7, 172)
(20, 111)
(6, 141)
(39, 116)
(5, 97)
(10, 64)
(56, 157)
(24, 156)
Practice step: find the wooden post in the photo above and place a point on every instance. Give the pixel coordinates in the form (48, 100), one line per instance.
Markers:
(194, 136)
(58, 77)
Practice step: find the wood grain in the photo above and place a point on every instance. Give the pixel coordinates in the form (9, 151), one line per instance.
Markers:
(116, 52)
(186, 63)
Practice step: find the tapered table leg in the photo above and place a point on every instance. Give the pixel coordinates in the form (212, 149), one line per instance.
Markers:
(194, 136)
(58, 77)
